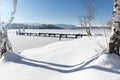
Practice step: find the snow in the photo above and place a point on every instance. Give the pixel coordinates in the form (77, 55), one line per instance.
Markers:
(34, 42)
(65, 48)
(20, 43)
(85, 58)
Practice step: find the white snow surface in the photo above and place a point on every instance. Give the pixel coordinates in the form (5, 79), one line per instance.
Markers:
(82, 59)
(21, 43)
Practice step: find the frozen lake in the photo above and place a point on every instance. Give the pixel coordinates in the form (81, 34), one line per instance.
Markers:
(20, 43)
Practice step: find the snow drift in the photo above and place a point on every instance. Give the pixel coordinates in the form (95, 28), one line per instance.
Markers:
(82, 59)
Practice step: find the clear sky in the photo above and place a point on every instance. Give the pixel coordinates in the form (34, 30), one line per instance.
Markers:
(59, 11)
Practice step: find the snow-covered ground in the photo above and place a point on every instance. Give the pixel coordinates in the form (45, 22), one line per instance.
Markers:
(81, 59)
(20, 43)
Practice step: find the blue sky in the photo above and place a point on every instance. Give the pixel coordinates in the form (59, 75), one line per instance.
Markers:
(59, 11)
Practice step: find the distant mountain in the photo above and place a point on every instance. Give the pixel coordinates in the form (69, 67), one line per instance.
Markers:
(18, 26)
(33, 26)
(48, 26)
(65, 26)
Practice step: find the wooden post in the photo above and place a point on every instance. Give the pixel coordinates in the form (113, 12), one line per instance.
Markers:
(76, 36)
(60, 36)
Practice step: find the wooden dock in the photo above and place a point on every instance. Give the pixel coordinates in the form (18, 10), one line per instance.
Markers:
(55, 35)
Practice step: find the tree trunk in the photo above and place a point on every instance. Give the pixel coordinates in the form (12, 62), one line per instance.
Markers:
(4, 41)
(114, 44)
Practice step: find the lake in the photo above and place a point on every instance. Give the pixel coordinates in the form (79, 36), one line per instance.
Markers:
(20, 43)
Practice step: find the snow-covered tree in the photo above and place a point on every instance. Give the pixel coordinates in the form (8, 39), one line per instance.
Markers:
(114, 45)
(4, 41)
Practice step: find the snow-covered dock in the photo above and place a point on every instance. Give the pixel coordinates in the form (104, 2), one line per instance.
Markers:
(56, 35)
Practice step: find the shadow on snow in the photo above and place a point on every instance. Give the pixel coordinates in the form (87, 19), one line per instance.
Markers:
(58, 67)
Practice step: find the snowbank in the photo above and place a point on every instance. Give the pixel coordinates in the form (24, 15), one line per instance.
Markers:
(68, 52)
(82, 59)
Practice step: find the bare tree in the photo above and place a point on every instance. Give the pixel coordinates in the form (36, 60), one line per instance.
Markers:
(86, 19)
(109, 23)
(83, 21)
